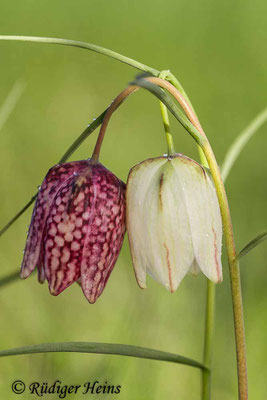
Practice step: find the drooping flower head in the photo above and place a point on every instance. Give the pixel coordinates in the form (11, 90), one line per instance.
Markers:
(77, 228)
(173, 221)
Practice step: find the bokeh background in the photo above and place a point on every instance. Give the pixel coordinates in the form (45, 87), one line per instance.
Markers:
(218, 52)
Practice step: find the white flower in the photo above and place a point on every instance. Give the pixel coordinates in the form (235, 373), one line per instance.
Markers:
(173, 220)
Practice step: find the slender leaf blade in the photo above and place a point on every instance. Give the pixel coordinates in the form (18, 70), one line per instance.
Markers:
(252, 244)
(103, 348)
(240, 142)
(11, 101)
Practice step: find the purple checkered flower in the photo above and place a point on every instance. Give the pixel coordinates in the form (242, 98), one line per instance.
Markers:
(77, 228)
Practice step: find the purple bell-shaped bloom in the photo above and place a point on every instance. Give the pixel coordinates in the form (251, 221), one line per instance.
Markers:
(77, 228)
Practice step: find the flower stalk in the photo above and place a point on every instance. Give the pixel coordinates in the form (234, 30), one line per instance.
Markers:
(166, 125)
(234, 274)
(208, 339)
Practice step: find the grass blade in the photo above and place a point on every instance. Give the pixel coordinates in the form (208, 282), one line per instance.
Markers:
(10, 101)
(9, 278)
(254, 243)
(103, 348)
(86, 46)
(240, 142)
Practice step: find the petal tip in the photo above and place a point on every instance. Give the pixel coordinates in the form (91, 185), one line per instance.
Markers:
(141, 284)
(24, 273)
(220, 278)
(53, 291)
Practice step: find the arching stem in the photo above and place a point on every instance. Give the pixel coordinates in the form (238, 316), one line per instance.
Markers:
(114, 105)
(133, 88)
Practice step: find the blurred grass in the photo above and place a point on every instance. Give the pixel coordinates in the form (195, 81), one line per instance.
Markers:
(216, 50)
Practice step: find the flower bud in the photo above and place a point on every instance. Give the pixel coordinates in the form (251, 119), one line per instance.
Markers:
(173, 221)
(77, 228)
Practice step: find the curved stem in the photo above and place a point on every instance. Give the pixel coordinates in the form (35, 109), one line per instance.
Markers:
(114, 105)
(228, 230)
(166, 74)
(83, 45)
(133, 88)
(103, 348)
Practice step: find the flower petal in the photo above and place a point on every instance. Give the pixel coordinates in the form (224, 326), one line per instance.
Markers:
(55, 177)
(105, 231)
(65, 232)
(204, 216)
(140, 181)
(194, 269)
(157, 223)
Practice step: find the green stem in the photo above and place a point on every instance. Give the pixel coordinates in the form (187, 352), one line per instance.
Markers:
(166, 74)
(83, 45)
(209, 320)
(166, 125)
(103, 348)
(234, 273)
(208, 339)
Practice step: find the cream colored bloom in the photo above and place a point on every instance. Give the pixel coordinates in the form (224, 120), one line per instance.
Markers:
(173, 221)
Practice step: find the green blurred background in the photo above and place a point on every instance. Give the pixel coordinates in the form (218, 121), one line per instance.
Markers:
(218, 52)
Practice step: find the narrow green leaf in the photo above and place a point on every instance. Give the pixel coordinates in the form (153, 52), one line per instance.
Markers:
(10, 101)
(240, 142)
(254, 243)
(86, 46)
(84, 135)
(9, 278)
(103, 348)
(14, 219)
